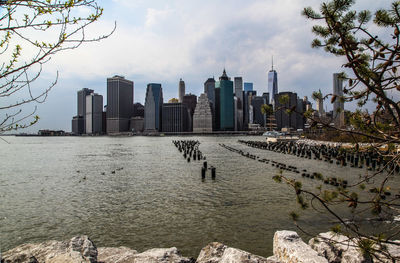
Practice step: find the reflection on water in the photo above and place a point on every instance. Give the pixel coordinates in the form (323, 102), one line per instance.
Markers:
(140, 192)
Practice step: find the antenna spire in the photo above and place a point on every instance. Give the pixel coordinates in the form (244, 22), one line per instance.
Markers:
(272, 62)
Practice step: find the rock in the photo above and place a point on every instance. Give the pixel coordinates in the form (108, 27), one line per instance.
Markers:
(167, 255)
(219, 253)
(338, 248)
(127, 255)
(115, 255)
(78, 249)
(273, 259)
(290, 248)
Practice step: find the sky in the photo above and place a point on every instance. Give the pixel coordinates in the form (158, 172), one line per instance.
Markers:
(161, 41)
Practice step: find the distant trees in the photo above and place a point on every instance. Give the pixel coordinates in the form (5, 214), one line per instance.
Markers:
(372, 76)
(31, 32)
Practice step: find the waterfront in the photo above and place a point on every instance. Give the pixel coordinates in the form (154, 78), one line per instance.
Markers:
(140, 192)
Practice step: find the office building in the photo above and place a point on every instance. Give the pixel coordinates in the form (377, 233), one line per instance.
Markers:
(153, 107)
(238, 82)
(258, 117)
(226, 107)
(181, 90)
(247, 99)
(209, 90)
(338, 104)
(175, 117)
(202, 118)
(248, 86)
(138, 110)
(78, 122)
(285, 120)
(272, 83)
(94, 114)
(119, 104)
(320, 104)
(190, 102)
(78, 125)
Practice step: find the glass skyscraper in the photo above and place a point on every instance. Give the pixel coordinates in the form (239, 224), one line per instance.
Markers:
(225, 86)
(272, 83)
(153, 107)
(248, 87)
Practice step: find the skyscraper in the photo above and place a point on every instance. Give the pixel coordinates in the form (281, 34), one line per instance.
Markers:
(153, 107)
(248, 86)
(174, 117)
(181, 90)
(190, 101)
(202, 118)
(338, 104)
(119, 104)
(238, 82)
(225, 86)
(209, 90)
(293, 120)
(78, 122)
(94, 114)
(272, 82)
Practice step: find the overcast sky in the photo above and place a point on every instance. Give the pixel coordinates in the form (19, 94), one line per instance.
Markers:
(164, 40)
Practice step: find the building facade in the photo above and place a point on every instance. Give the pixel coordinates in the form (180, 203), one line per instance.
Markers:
(248, 86)
(190, 102)
(272, 83)
(338, 104)
(202, 118)
(79, 121)
(119, 104)
(182, 90)
(290, 121)
(153, 107)
(94, 114)
(258, 117)
(174, 117)
(225, 86)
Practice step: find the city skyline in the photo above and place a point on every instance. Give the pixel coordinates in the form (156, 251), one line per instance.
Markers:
(188, 47)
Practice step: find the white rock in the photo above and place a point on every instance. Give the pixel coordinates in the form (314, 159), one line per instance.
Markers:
(290, 248)
(77, 250)
(219, 253)
(339, 248)
(115, 255)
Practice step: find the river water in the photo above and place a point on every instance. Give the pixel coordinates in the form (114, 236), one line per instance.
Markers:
(141, 193)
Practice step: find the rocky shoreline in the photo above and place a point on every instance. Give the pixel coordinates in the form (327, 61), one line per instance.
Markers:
(288, 247)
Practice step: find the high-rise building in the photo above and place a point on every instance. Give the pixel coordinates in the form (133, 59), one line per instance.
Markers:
(181, 90)
(272, 82)
(119, 104)
(247, 99)
(78, 121)
(338, 104)
(138, 110)
(190, 101)
(153, 107)
(238, 82)
(258, 117)
(94, 114)
(209, 90)
(293, 120)
(320, 104)
(174, 117)
(248, 86)
(202, 118)
(225, 86)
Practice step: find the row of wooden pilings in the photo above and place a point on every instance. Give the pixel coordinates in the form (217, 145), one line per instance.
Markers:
(372, 160)
(337, 182)
(190, 151)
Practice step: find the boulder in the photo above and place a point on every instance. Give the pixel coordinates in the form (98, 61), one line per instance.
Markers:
(290, 248)
(115, 255)
(338, 248)
(127, 255)
(219, 253)
(78, 249)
